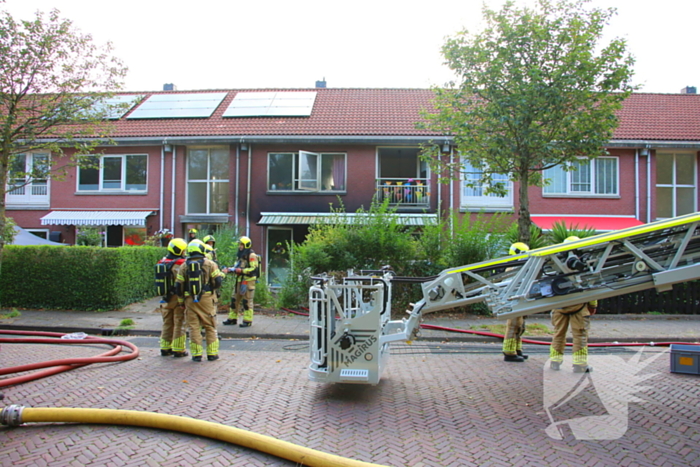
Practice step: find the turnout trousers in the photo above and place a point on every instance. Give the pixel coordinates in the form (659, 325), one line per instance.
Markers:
(202, 315)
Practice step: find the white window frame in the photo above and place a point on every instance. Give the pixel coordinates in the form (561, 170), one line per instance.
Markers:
(572, 178)
(209, 181)
(42, 231)
(29, 194)
(492, 201)
(302, 160)
(674, 185)
(101, 176)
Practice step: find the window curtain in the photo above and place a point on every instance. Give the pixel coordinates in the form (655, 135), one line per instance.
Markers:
(339, 172)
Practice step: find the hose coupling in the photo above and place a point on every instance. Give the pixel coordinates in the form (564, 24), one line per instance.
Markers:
(11, 415)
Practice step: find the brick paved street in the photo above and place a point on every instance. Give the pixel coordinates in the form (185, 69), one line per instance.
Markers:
(437, 405)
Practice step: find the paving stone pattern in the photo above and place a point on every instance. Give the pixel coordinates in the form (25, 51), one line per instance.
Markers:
(430, 409)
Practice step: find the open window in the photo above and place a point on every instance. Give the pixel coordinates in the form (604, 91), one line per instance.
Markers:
(306, 171)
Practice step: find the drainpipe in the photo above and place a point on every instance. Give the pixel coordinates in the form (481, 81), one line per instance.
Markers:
(247, 208)
(636, 184)
(238, 181)
(649, 187)
(172, 196)
(452, 192)
(162, 183)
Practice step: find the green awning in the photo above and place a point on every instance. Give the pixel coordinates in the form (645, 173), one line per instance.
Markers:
(308, 218)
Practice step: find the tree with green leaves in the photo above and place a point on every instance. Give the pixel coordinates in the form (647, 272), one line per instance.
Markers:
(535, 89)
(55, 90)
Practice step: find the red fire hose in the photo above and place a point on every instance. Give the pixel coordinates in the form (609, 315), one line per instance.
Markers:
(53, 367)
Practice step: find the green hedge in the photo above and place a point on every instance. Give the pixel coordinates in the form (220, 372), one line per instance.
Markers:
(77, 277)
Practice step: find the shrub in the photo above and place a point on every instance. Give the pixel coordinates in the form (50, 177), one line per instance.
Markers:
(537, 238)
(77, 277)
(560, 231)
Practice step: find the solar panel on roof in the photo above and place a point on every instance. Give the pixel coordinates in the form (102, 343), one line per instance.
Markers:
(271, 104)
(194, 105)
(115, 107)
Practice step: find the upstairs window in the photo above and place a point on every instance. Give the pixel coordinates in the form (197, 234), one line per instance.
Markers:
(114, 173)
(475, 194)
(207, 180)
(586, 177)
(28, 174)
(306, 172)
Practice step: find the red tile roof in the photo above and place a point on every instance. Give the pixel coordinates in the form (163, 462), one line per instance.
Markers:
(336, 112)
(665, 117)
(394, 112)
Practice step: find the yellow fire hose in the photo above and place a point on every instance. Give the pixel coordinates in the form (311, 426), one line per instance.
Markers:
(14, 415)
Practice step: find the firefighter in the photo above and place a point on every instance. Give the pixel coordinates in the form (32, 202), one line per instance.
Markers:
(197, 281)
(172, 337)
(211, 242)
(247, 269)
(577, 317)
(192, 234)
(515, 327)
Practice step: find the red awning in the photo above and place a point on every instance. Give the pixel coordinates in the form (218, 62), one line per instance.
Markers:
(600, 223)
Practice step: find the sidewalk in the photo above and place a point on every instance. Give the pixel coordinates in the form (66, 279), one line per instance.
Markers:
(284, 325)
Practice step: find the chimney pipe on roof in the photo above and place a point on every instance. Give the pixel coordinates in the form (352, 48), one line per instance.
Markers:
(169, 87)
(689, 90)
(321, 84)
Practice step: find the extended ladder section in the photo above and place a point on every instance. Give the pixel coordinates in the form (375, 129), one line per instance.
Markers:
(350, 322)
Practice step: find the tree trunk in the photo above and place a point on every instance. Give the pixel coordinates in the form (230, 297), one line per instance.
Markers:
(524, 209)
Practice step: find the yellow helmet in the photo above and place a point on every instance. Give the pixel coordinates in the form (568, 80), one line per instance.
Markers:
(177, 246)
(196, 247)
(518, 248)
(194, 231)
(209, 238)
(247, 243)
(572, 238)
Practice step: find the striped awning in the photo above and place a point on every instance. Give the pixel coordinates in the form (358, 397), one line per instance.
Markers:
(308, 218)
(96, 218)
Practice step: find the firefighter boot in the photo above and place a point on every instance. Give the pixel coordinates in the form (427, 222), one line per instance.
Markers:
(554, 365)
(231, 314)
(582, 369)
(513, 358)
(521, 354)
(247, 318)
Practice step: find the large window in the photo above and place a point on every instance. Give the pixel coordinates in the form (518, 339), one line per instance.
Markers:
(675, 184)
(114, 173)
(207, 180)
(306, 171)
(476, 195)
(28, 175)
(585, 177)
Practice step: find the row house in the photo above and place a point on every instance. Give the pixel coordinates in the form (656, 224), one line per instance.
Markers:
(272, 162)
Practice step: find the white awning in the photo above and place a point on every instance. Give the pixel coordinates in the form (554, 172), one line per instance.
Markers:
(96, 218)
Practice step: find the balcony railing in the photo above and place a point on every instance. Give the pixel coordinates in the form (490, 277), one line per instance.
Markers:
(411, 192)
(31, 189)
(28, 195)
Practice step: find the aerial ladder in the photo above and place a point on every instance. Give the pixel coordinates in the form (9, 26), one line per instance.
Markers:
(350, 318)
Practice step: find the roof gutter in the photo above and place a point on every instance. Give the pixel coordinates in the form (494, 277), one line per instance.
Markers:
(283, 139)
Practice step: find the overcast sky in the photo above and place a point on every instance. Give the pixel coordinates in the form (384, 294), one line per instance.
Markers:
(230, 44)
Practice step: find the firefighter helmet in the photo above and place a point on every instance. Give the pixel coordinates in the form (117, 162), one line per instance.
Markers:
(196, 247)
(246, 242)
(177, 246)
(518, 248)
(572, 238)
(209, 238)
